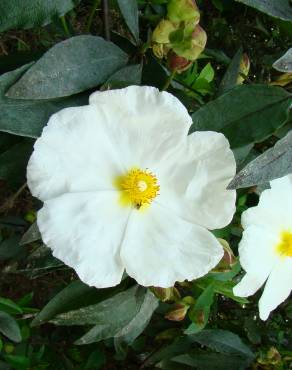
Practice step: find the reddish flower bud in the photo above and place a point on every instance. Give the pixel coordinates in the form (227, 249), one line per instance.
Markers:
(177, 63)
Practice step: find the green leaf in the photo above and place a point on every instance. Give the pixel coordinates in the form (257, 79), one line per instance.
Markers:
(129, 10)
(9, 248)
(199, 313)
(276, 8)
(69, 67)
(223, 341)
(123, 326)
(272, 164)
(130, 75)
(211, 361)
(221, 287)
(28, 117)
(8, 306)
(231, 75)
(67, 299)
(284, 64)
(9, 327)
(207, 73)
(139, 321)
(31, 235)
(32, 13)
(241, 117)
(13, 162)
(18, 362)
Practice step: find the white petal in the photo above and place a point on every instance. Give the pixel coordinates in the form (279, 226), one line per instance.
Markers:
(257, 252)
(148, 121)
(277, 288)
(248, 285)
(274, 210)
(193, 180)
(75, 153)
(85, 231)
(159, 248)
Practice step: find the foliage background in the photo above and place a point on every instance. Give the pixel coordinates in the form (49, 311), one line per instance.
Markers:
(48, 318)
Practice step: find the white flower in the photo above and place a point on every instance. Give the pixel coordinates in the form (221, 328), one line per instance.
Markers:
(125, 188)
(266, 247)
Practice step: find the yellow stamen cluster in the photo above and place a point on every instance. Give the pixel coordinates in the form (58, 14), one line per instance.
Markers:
(284, 248)
(139, 187)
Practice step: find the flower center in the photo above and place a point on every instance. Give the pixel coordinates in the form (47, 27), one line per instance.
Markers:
(284, 248)
(138, 187)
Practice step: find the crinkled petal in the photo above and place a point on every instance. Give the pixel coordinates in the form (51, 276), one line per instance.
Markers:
(277, 288)
(85, 231)
(257, 256)
(160, 248)
(148, 121)
(193, 180)
(75, 153)
(248, 285)
(274, 210)
(85, 148)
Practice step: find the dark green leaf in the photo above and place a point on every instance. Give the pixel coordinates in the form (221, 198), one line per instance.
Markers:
(131, 74)
(31, 235)
(274, 163)
(32, 13)
(119, 306)
(199, 313)
(153, 73)
(223, 341)
(13, 162)
(18, 362)
(284, 64)
(129, 9)
(126, 324)
(9, 327)
(276, 8)
(65, 300)
(9, 247)
(139, 321)
(69, 67)
(211, 361)
(246, 114)
(230, 78)
(28, 117)
(8, 306)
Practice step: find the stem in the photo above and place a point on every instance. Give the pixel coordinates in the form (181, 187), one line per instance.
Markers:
(106, 19)
(91, 15)
(168, 81)
(65, 26)
(10, 201)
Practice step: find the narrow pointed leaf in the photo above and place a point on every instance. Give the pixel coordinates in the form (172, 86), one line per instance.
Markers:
(129, 10)
(246, 114)
(69, 67)
(276, 8)
(284, 64)
(32, 13)
(28, 117)
(272, 164)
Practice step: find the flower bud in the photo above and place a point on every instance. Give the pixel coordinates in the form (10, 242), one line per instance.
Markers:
(243, 68)
(178, 312)
(166, 294)
(177, 63)
(162, 31)
(158, 50)
(183, 10)
(192, 48)
(228, 260)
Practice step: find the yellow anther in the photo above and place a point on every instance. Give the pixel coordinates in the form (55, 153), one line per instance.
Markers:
(138, 187)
